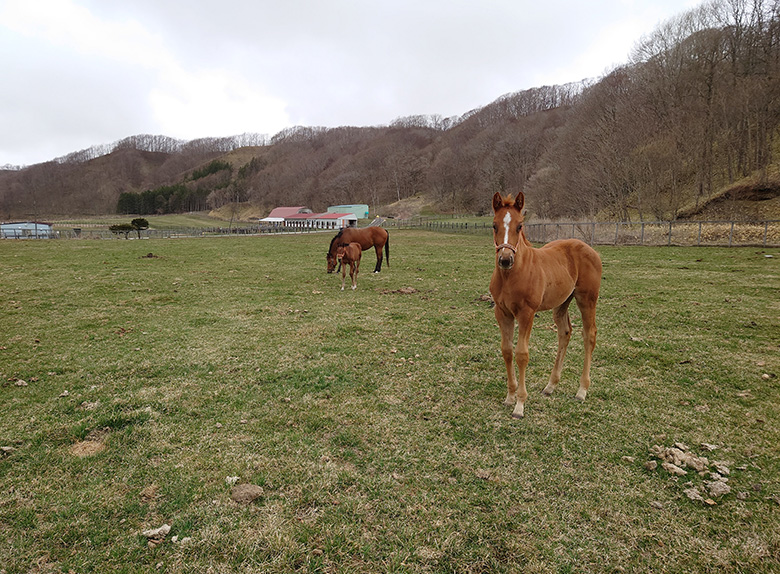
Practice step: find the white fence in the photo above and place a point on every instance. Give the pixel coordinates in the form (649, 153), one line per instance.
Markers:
(683, 233)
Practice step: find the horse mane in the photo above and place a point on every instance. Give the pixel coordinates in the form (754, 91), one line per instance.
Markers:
(332, 241)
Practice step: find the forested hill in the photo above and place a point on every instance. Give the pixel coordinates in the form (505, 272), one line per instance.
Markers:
(692, 117)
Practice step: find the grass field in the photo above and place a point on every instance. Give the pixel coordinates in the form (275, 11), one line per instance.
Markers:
(135, 390)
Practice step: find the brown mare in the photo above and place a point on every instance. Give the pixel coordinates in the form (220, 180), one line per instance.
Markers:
(527, 280)
(368, 237)
(348, 254)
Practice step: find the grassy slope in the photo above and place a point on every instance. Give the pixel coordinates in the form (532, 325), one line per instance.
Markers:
(373, 419)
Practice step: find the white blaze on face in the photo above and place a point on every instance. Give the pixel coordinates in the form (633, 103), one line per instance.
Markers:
(507, 221)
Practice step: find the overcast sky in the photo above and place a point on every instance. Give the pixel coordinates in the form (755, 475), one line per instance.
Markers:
(78, 73)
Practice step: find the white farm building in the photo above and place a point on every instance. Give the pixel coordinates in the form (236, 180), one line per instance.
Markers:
(26, 230)
(303, 218)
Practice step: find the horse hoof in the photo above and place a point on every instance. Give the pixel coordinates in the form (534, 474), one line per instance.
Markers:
(548, 390)
(580, 396)
(517, 416)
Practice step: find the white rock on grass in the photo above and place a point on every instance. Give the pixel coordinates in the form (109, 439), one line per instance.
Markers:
(155, 536)
(717, 488)
(673, 469)
(722, 468)
(246, 493)
(694, 494)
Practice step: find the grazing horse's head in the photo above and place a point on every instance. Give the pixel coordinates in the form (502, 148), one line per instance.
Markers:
(331, 262)
(331, 254)
(507, 227)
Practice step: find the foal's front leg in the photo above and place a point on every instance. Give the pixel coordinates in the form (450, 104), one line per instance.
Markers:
(506, 323)
(525, 322)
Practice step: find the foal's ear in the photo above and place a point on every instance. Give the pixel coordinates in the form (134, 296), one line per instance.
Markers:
(498, 202)
(519, 201)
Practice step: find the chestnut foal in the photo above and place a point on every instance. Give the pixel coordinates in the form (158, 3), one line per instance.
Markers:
(349, 254)
(526, 280)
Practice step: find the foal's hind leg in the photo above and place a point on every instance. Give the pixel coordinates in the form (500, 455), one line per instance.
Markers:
(587, 305)
(563, 323)
(353, 271)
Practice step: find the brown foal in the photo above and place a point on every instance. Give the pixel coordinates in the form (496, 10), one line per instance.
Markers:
(526, 280)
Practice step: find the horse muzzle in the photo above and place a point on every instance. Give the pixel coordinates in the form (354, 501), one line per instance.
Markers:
(506, 255)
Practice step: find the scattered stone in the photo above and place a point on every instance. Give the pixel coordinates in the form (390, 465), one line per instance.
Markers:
(717, 488)
(64, 394)
(7, 449)
(628, 458)
(20, 383)
(218, 425)
(231, 480)
(651, 465)
(246, 493)
(694, 494)
(698, 463)
(673, 469)
(680, 457)
(155, 536)
(185, 540)
(710, 502)
(708, 447)
(742, 495)
(657, 505)
(721, 468)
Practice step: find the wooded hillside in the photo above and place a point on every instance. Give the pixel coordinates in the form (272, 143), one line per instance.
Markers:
(692, 117)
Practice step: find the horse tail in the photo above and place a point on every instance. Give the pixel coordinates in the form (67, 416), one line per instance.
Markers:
(387, 250)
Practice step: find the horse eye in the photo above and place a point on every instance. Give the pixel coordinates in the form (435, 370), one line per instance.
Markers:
(495, 227)
(519, 227)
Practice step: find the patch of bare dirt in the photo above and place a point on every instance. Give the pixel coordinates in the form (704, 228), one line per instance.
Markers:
(91, 445)
(87, 448)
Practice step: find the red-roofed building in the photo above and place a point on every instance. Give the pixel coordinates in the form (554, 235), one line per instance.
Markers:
(303, 218)
(278, 215)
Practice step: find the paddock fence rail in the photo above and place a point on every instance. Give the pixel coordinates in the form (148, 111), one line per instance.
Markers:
(655, 233)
